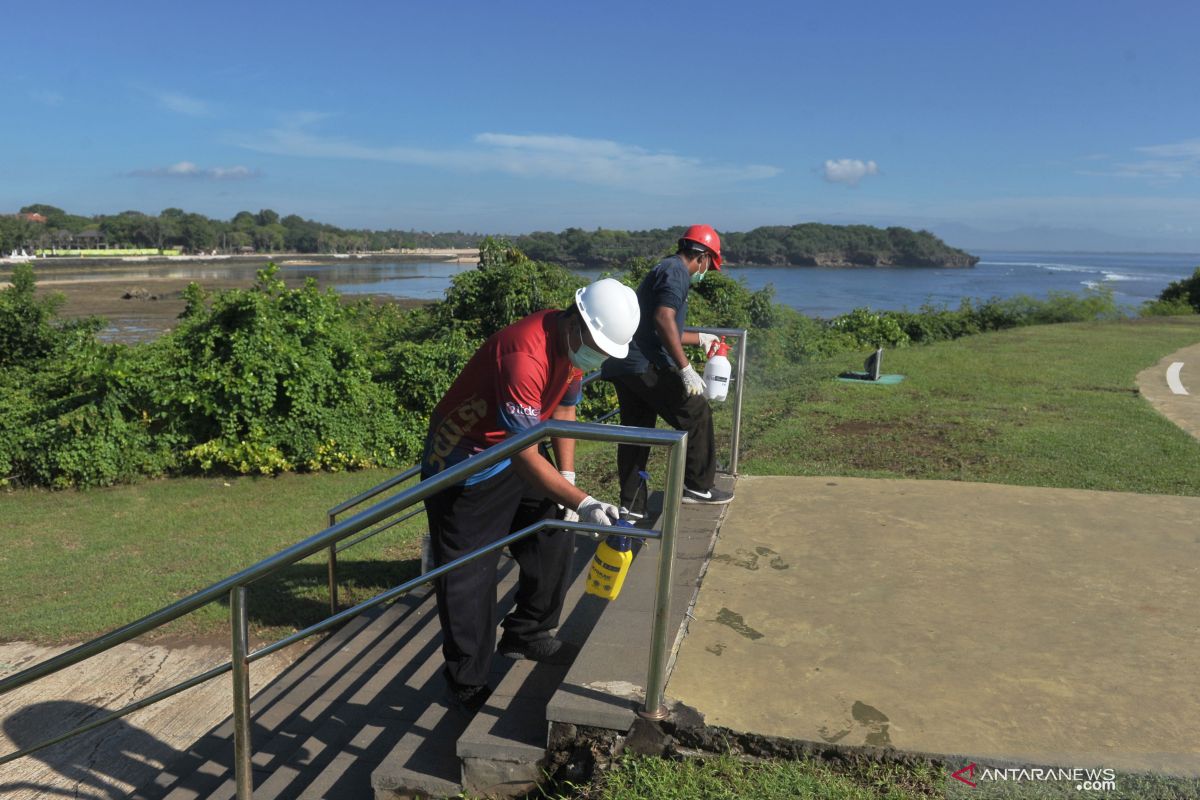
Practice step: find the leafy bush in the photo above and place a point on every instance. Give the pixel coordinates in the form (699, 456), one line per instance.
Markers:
(271, 379)
(1175, 307)
(1182, 291)
(506, 287)
(868, 329)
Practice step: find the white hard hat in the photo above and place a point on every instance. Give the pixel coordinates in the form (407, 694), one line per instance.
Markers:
(610, 310)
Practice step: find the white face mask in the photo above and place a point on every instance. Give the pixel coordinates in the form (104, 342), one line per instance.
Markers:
(585, 358)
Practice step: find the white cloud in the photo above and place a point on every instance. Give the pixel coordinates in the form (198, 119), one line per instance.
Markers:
(849, 170)
(1164, 163)
(594, 161)
(186, 169)
(182, 104)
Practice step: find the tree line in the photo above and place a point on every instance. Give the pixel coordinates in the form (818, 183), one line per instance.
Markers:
(263, 231)
(807, 244)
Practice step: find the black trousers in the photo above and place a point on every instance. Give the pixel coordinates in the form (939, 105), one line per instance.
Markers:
(465, 518)
(660, 393)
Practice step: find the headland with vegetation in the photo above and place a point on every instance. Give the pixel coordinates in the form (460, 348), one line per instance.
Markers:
(50, 231)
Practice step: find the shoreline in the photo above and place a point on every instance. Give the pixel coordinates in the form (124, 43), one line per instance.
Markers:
(143, 307)
(463, 256)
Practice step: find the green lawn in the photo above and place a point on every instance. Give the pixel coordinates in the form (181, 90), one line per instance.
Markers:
(75, 564)
(1042, 406)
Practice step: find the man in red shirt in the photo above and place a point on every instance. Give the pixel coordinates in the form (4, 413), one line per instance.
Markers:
(526, 373)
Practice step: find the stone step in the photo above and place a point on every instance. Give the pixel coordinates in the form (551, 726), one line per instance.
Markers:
(363, 714)
(503, 750)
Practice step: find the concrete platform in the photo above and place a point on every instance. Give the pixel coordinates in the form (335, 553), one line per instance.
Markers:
(1055, 627)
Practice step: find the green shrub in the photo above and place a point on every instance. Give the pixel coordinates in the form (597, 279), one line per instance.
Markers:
(1175, 307)
(1183, 291)
(271, 379)
(506, 287)
(868, 329)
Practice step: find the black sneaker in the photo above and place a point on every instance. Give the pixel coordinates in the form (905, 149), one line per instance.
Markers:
(546, 650)
(712, 497)
(466, 700)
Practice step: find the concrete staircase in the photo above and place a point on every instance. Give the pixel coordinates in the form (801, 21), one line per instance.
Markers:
(363, 714)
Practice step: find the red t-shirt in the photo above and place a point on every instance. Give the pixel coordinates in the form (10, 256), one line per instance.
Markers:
(514, 381)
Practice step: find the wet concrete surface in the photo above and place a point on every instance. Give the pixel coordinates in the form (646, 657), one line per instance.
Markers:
(1031, 625)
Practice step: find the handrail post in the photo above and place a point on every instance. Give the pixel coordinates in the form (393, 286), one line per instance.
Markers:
(660, 638)
(242, 768)
(333, 569)
(735, 438)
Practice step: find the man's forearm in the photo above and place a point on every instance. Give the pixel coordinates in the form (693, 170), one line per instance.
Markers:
(564, 449)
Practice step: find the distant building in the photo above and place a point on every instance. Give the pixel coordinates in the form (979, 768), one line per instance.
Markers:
(33, 218)
(90, 240)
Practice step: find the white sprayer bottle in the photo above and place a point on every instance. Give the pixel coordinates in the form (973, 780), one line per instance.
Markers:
(716, 372)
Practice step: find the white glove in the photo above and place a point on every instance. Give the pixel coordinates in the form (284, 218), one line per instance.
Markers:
(569, 514)
(692, 382)
(596, 512)
(707, 340)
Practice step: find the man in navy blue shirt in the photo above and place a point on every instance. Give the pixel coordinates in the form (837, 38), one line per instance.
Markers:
(655, 379)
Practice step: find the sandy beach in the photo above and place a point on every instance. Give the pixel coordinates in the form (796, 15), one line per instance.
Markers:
(141, 298)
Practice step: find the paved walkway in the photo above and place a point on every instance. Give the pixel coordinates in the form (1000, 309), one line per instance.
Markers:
(1038, 625)
(1162, 385)
(111, 761)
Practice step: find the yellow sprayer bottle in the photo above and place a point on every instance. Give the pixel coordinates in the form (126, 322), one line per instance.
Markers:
(610, 565)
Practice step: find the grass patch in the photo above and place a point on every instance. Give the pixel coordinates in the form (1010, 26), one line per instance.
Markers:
(1049, 406)
(76, 564)
(728, 778)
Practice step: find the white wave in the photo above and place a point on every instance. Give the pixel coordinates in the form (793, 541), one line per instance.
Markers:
(1048, 266)
(1071, 268)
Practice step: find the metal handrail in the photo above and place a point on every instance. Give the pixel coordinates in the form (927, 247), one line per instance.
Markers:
(236, 585)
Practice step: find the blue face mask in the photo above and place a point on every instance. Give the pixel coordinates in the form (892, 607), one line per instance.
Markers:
(585, 358)
(699, 275)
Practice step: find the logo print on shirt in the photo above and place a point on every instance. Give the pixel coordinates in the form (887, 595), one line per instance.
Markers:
(522, 410)
(452, 430)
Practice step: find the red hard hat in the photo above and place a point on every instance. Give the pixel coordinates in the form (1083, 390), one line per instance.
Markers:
(705, 235)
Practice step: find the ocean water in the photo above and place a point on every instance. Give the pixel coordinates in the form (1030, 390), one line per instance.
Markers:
(827, 292)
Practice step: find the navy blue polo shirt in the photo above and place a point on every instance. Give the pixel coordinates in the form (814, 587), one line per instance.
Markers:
(665, 285)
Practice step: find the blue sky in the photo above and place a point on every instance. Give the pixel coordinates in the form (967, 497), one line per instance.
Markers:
(1069, 122)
